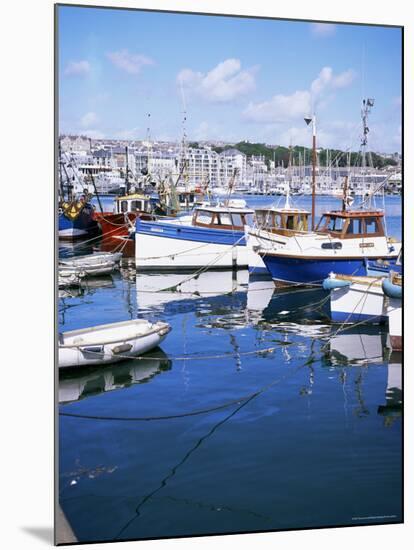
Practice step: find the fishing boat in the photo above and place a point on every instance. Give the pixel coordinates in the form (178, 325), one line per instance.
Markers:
(76, 218)
(212, 237)
(342, 242)
(127, 209)
(75, 213)
(109, 343)
(269, 223)
(392, 288)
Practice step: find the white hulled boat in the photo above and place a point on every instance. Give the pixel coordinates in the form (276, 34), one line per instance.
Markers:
(212, 237)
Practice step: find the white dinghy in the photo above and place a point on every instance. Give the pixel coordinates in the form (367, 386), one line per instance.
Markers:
(109, 343)
(90, 270)
(97, 258)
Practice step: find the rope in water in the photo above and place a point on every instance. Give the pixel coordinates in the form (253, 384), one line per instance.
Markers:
(190, 413)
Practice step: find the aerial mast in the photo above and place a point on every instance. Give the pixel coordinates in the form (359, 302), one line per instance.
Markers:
(365, 110)
(308, 120)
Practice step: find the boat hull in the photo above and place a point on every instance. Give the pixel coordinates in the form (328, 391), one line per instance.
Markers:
(110, 350)
(300, 270)
(358, 302)
(115, 225)
(172, 246)
(82, 226)
(394, 313)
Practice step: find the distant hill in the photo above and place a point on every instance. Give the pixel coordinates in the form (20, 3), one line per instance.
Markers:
(281, 155)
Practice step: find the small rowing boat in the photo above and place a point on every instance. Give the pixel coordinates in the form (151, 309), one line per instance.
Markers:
(91, 259)
(109, 343)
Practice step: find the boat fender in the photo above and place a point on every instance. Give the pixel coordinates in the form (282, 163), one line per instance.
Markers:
(122, 348)
(391, 290)
(330, 283)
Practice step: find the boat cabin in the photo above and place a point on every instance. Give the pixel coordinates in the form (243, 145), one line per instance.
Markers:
(222, 217)
(352, 224)
(283, 221)
(132, 203)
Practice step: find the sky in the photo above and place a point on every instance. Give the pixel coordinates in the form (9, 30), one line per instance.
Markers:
(130, 74)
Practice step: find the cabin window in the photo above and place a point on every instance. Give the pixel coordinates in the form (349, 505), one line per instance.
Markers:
(303, 223)
(248, 219)
(225, 219)
(371, 225)
(331, 246)
(124, 206)
(204, 217)
(336, 224)
(136, 205)
(237, 220)
(354, 227)
(290, 222)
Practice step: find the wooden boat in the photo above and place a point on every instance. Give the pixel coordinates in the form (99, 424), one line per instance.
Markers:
(109, 343)
(212, 236)
(127, 209)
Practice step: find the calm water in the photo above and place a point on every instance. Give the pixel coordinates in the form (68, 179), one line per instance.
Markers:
(301, 424)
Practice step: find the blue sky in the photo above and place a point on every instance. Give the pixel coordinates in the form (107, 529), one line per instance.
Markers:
(238, 78)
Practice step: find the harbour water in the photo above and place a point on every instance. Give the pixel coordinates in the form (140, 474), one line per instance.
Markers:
(258, 414)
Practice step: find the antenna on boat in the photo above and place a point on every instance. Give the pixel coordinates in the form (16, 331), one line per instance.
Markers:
(367, 104)
(308, 120)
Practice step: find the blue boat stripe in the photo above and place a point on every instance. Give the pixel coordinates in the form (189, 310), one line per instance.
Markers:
(190, 233)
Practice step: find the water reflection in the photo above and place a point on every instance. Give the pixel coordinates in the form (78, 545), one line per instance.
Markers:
(392, 409)
(83, 383)
(154, 290)
(358, 346)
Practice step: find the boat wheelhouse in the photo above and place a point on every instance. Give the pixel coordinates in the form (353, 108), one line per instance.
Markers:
(270, 222)
(342, 243)
(126, 209)
(212, 237)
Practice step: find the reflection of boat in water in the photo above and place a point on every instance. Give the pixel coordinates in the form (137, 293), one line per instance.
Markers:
(393, 395)
(359, 345)
(154, 290)
(76, 385)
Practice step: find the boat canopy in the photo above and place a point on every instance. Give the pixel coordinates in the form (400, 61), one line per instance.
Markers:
(223, 217)
(352, 224)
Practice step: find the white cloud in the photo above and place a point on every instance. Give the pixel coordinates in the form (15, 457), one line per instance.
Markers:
(327, 79)
(89, 119)
(322, 29)
(131, 63)
(223, 83)
(77, 68)
(282, 108)
(279, 108)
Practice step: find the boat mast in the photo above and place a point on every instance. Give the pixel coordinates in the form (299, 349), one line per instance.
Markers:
(366, 109)
(308, 120)
(126, 171)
